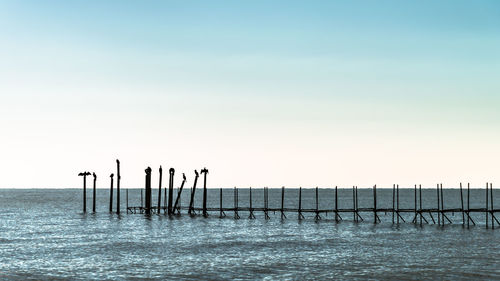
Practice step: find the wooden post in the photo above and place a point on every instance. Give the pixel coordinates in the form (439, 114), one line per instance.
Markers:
(468, 205)
(251, 216)
(357, 208)
(177, 207)
(111, 194)
(354, 204)
(438, 210)
(94, 193)
(236, 215)
(300, 216)
(462, 204)
(148, 191)
(118, 179)
(375, 204)
(492, 209)
(205, 172)
(420, 202)
(84, 175)
(171, 171)
(193, 190)
(487, 205)
(317, 217)
(415, 207)
(282, 202)
(159, 190)
(126, 194)
(442, 204)
(220, 204)
(336, 205)
(393, 201)
(266, 205)
(397, 204)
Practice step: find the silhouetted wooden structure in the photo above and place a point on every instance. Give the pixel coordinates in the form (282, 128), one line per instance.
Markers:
(84, 175)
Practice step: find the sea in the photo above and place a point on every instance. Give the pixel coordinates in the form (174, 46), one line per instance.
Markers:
(45, 235)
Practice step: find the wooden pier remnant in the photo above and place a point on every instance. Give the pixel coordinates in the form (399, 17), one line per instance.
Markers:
(94, 193)
(204, 172)
(317, 216)
(148, 191)
(235, 194)
(111, 194)
(193, 190)
(178, 199)
(118, 179)
(299, 210)
(159, 189)
(170, 191)
(282, 210)
(221, 214)
(251, 215)
(84, 175)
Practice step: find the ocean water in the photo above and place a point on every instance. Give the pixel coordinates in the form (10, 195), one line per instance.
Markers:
(44, 235)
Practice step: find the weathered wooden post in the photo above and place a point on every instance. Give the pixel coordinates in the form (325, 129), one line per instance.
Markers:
(178, 199)
(118, 179)
(468, 205)
(300, 216)
(354, 204)
(336, 205)
(492, 209)
(94, 193)
(393, 201)
(148, 191)
(170, 191)
(159, 190)
(415, 207)
(193, 190)
(397, 204)
(111, 194)
(251, 215)
(84, 175)
(266, 203)
(438, 210)
(420, 202)
(126, 195)
(204, 172)
(486, 212)
(282, 203)
(375, 204)
(236, 215)
(442, 204)
(221, 210)
(317, 217)
(462, 204)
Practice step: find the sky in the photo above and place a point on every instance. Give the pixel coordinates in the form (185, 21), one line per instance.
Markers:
(262, 93)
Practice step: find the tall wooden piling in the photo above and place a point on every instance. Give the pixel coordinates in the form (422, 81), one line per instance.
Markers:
(492, 209)
(84, 175)
(299, 211)
(111, 194)
(393, 201)
(236, 215)
(204, 172)
(193, 190)
(118, 179)
(375, 217)
(336, 205)
(148, 191)
(420, 202)
(220, 205)
(251, 215)
(159, 190)
(438, 203)
(317, 217)
(486, 212)
(177, 207)
(171, 172)
(126, 198)
(94, 192)
(282, 203)
(442, 204)
(468, 205)
(397, 204)
(354, 204)
(266, 203)
(462, 205)
(415, 206)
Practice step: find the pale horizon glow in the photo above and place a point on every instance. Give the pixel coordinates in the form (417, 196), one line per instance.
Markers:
(280, 93)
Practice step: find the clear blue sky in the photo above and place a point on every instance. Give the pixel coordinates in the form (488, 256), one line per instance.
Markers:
(260, 92)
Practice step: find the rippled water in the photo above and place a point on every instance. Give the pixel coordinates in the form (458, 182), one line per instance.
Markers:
(45, 235)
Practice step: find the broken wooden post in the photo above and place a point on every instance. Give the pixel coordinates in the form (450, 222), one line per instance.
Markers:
(282, 203)
(84, 175)
(178, 199)
(251, 215)
(111, 194)
(193, 190)
(171, 172)
(204, 172)
(94, 193)
(148, 191)
(118, 178)
(159, 190)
